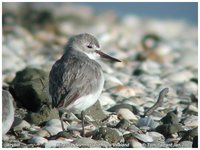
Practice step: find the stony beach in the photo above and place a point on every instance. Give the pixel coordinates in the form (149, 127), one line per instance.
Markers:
(149, 100)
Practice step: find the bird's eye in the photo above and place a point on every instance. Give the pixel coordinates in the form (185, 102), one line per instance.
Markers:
(89, 46)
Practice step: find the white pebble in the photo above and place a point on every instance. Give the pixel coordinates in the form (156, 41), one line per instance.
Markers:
(126, 114)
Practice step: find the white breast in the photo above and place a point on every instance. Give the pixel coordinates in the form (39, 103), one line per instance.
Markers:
(86, 101)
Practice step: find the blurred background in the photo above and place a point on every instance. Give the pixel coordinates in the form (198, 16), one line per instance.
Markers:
(156, 42)
(40, 30)
(165, 10)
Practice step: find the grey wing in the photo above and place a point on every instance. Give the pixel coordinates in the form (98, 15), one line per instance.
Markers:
(71, 80)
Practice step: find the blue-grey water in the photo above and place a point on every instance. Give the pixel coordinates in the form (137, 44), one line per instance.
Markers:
(187, 11)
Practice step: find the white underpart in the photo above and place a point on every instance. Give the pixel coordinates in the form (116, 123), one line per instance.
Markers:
(86, 101)
(93, 55)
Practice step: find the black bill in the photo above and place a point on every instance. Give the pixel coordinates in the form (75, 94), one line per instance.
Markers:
(103, 55)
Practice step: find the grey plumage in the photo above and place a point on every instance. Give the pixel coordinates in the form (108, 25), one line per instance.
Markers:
(76, 80)
(75, 75)
(72, 76)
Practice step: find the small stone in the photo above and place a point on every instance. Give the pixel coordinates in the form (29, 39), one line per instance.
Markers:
(96, 112)
(124, 113)
(37, 140)
(127, 106)
(189, 135)
(20, 124)
(180, 77)
(156, 136)
(112, 120)
(5, 138)
(149, 67)
(147, 121)
(24, 135)
(168, 129)
(42, 133)
(191, 121)
(124, 124)
(134, 143)
(52, 130)
(143, 137)
(7, 111)
(133, 128)
(90, 129)
(187, 88)
(44, 114)
(65, 134)
(170, 118)
(108, 134)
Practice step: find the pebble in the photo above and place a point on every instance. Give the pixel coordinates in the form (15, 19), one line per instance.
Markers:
(7, 111)
(126, 114)
(150, 67)
(52, 130)
(112, 120)
(52, 127)
(143, 137)
(110, 135)
(170, 118)
(42, 133)
(187, 88)
(134, 143)
(156, 136)
(191, 121)
(20, 124)
(180, 76)
(124, 124)
(168, 129)
(147, 121)
(116, 108)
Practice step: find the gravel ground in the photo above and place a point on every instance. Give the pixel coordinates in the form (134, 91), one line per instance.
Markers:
(149, 100)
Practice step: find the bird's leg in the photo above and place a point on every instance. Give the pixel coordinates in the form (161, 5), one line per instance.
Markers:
(61, 115)
(83, 119)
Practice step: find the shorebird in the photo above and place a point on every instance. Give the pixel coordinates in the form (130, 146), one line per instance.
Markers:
(76, 80)
(8, 111)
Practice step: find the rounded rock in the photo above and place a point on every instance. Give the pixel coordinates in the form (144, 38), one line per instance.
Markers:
(20, 124)
(7, 111)
(126, 114)
(29, 88)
